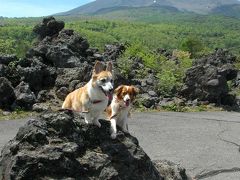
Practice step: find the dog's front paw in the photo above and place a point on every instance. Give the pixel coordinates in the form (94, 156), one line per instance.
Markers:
(113, 135)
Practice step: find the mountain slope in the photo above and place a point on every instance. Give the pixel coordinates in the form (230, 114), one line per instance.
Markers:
(228, 10)
(103, 4)
(149, 14)
(201, 7)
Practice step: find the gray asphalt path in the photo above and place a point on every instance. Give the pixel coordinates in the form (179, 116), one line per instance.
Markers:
(8, 130)
(206, 144)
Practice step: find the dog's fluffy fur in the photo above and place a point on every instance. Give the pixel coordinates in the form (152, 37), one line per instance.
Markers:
(119, 110)
(92, 99)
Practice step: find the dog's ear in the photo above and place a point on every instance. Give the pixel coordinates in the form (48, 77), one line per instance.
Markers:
(118, 90)
(135, 90)
(109, 66)
(98, 67)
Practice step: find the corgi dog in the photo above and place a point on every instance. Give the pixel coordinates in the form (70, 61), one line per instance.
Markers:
(119, 110)
(92, 99)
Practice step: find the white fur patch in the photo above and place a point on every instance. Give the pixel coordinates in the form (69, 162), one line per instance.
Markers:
(126, 97)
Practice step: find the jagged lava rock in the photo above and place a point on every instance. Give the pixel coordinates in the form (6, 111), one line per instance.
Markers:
(171, 171)
(7, 58)
(7, 95)
(207, 79)
(61, 146)
(24, 96)
(48, 27)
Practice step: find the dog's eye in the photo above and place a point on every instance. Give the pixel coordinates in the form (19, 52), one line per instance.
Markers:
(111, 81)
(103, 80)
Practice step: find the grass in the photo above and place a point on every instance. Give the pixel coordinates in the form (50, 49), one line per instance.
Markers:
(177, 108)
(17, 114)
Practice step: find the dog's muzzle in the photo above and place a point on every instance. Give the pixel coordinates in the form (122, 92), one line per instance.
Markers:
(127, 102)
(109, 93)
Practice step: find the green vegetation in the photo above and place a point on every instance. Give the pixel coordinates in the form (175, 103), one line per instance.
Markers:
(200, 108)
(152, 28)
(17, 114)
(169, 73)
(15, 39)
(188, 35)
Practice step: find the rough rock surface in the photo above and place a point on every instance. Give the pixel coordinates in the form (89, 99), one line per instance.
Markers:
(56, 62)
(171, 171)
(207, 79)
(6, 59)
(62, 61)
(113, 51)
(7, 96)
(61, 146)
(25, 98)
(237, 81)
(48, 27)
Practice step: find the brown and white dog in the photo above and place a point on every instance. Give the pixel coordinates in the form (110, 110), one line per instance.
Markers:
(92, 99)
(119, 110)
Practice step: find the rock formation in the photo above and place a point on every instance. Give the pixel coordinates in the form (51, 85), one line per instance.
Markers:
(60, 146)
(56, 65)
(62, 61)
(207, 79)
(7, 95)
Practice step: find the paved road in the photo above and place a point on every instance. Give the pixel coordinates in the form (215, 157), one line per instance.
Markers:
(206, 144)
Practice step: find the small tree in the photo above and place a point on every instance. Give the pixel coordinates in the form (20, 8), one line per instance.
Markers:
(192, 45)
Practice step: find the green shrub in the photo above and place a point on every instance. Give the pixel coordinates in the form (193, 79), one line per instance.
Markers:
(192, 45)
(169, 72)
(7, 46)
(168, 82)
(125, 66)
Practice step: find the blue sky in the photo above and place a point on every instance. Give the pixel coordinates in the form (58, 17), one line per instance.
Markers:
(35, 8)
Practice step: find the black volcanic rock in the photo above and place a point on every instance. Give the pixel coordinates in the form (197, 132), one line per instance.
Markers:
(171, 171)
(66, 50)
(37, 74)
(7, 96)
(3, 70)
(48, 27)
(25, 98)
(207, 79)
(113, 51)
(61, 60)
(61, 146)
(7, 58)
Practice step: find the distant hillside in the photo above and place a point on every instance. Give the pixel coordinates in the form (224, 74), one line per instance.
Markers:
(228, 10)
(197, 6)
(150, 14)
(97, 5)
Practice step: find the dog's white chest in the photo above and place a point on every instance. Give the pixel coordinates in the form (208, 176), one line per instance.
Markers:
(123, 113)
(99, 106)
(98, 100)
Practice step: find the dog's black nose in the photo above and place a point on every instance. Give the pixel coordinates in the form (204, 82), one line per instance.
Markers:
(111, 89)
